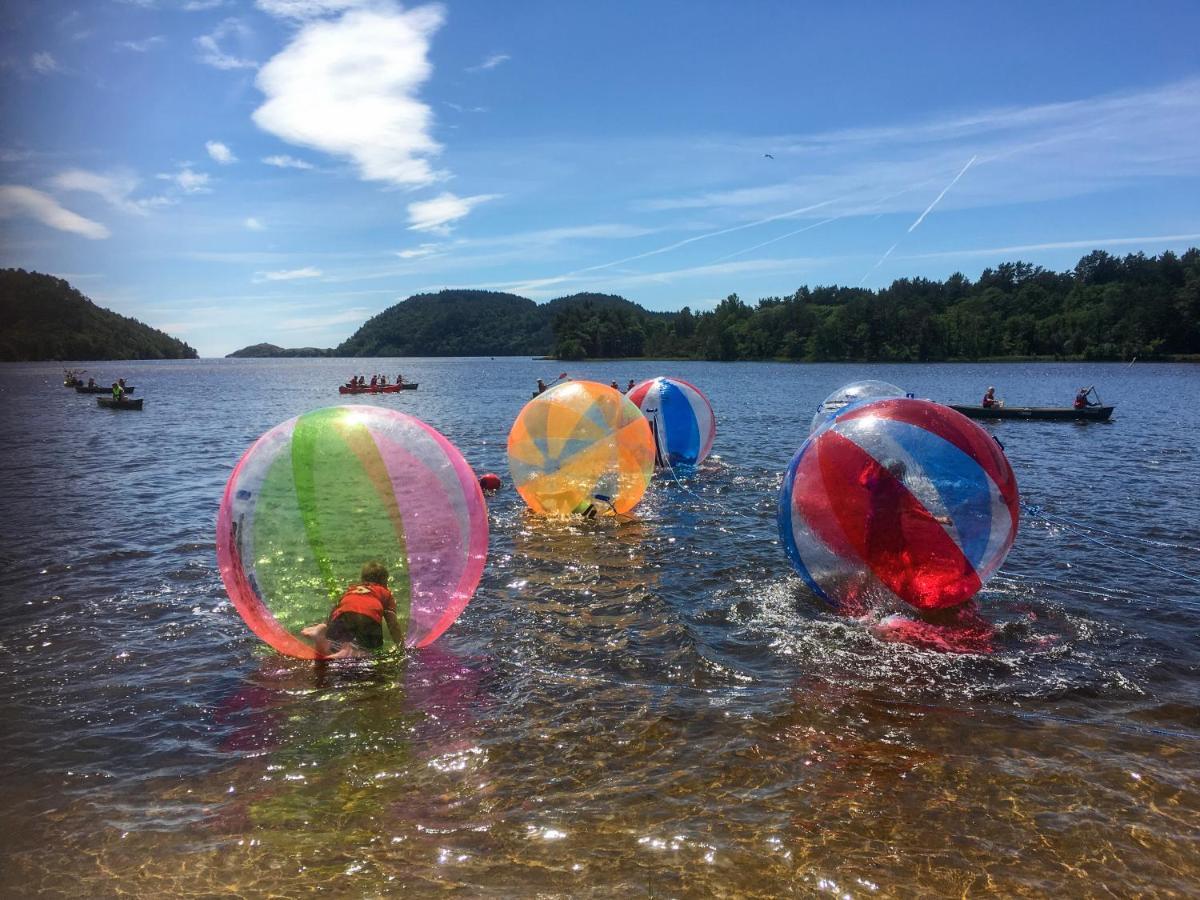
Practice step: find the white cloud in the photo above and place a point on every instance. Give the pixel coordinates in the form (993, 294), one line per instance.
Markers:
(16, 200)
(213, 54)
(189, 181)
(436, 215)
(312, 323)
(220, 152)
(202, 5)
(536, 288)
(282, 161)
(1024, 154)
(44, 63)
(418, 252)
(254, 224)
(289, 274)
(1001, 252)
(143, 45)
(348, 87)
(491, 62)
(301, 10)
(115, 188)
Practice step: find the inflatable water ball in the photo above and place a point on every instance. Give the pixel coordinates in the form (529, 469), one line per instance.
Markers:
(854, 392)
(898, 498)
(581, 447)
(318, 496)
(681, 420)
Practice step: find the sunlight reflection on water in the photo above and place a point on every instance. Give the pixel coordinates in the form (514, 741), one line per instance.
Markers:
(656, 707)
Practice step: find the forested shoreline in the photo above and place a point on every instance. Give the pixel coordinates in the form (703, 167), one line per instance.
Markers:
(1106, 308)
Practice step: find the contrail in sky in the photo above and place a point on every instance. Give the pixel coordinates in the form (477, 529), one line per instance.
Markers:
(541, 282)
(877, 203)
(780, 238)
(921, 217)
(878, 263)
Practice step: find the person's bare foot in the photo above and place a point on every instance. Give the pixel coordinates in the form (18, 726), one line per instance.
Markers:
(320, 643)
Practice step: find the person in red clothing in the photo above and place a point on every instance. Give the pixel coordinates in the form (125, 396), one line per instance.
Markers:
(355, 626)
(1082, 400)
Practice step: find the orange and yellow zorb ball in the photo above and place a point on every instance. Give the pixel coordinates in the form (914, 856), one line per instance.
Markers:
(579, 445)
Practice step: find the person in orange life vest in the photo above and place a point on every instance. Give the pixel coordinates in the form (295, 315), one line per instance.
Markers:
(355, 626)
(989, 399)
(1081, 399)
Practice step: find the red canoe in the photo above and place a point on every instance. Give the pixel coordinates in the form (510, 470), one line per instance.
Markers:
(385, 389)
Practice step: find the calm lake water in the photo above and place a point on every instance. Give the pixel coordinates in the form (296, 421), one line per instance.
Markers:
(658, 708)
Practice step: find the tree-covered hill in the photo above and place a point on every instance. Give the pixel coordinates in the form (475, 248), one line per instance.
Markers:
(451, 323)
(478, 323)
(271, 351)
(43, 317)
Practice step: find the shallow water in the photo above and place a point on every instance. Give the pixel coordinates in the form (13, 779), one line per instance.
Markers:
(657, 708)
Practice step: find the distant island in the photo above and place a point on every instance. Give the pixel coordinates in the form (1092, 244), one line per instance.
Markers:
(43, 318)
(270, 351)
(1106, 308)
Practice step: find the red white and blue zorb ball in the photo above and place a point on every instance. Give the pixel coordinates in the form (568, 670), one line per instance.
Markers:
(681, 419)
(898, 499)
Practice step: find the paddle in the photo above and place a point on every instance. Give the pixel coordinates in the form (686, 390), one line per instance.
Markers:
(552, 383)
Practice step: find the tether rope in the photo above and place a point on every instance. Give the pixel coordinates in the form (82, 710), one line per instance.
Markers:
(1039, 513)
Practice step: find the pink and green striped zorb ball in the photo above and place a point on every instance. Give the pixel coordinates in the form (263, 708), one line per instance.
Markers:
(898, 499)
(318, 496)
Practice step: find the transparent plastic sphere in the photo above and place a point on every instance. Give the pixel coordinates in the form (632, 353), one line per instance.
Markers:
(898, 499)
(320, 495)
(848, 394)
(681, 420)
(578, 445)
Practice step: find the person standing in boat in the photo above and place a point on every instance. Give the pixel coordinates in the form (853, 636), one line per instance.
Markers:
(989, 399)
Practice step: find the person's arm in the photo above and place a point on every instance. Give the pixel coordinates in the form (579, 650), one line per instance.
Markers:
(393, 624)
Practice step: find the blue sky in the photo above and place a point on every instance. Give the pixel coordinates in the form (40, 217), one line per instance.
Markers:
(236, 171)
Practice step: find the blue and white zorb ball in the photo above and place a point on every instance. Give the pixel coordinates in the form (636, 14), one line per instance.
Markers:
(847, 394)
(681, 418)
